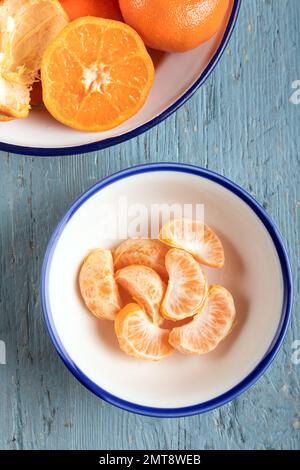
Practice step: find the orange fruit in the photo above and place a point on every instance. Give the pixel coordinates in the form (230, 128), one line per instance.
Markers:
(210, 326)
(26, 28)
(97, 285)
(96, 74)
(196, 238)
(14, 99)
(139, 337)
(145, 286)
(174, 25)
(143, 251)
(36, 94)
(103, 8)
(4, 118)
(187, 287)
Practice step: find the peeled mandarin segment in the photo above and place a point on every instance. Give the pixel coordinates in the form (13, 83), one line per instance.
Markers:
(143, 251)
(145, 286)
(27, 27)
(139, 337)
(210, 326)
(4, 118)
(187, 287)
(14, 99)
(97, 285)
(196, 238)
(96, 74)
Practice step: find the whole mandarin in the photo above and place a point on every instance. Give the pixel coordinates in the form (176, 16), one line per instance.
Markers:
(174, 25)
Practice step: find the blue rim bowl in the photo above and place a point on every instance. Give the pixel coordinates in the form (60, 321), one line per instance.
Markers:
(286, 307)
(40, 151)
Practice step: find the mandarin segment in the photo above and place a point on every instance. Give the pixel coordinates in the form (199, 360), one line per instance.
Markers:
(123, 97)
(145, 251)
(132, 72)
(94, 108)
(85, 43)
(97, 285)
(145, 286)
(116, 40)
(139, 337)
(109, 81)
(14, 99)
(196, 238)
(4, 118)
(187, 286)
(210, 326)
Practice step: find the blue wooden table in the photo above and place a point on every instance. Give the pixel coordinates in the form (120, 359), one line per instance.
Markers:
(243, 124)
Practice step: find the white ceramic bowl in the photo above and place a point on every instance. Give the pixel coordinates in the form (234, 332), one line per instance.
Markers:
(177, 77)
(256, 271)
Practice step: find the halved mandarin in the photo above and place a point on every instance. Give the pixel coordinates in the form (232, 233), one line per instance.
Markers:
(139, 337)
(187, 286)
(98, 286)
(96, 74)
(195, 237)
(145, 251)
(145, 286)
(210, 326)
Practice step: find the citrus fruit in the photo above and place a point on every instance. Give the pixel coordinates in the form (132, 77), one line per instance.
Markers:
(14, 99)
(143, 251)
(103, 8)
(4, 118)
(139, 337)
(174, 25)
(96, 74)
(187, 286)
(196, 238)
(27, 27)
(209, 326)
(145, 286)
(36, 94)
(97, 285)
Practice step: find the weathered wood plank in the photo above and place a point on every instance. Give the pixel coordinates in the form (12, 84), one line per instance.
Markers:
(240, 124)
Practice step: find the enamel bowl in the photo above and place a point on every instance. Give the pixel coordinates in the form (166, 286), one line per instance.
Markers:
(177, 77)
(256, 271)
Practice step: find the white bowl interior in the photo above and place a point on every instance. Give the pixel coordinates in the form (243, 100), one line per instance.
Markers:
(252, 273)
(175, 74)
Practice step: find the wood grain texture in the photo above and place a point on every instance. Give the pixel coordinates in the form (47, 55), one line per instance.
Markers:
(240, 124)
